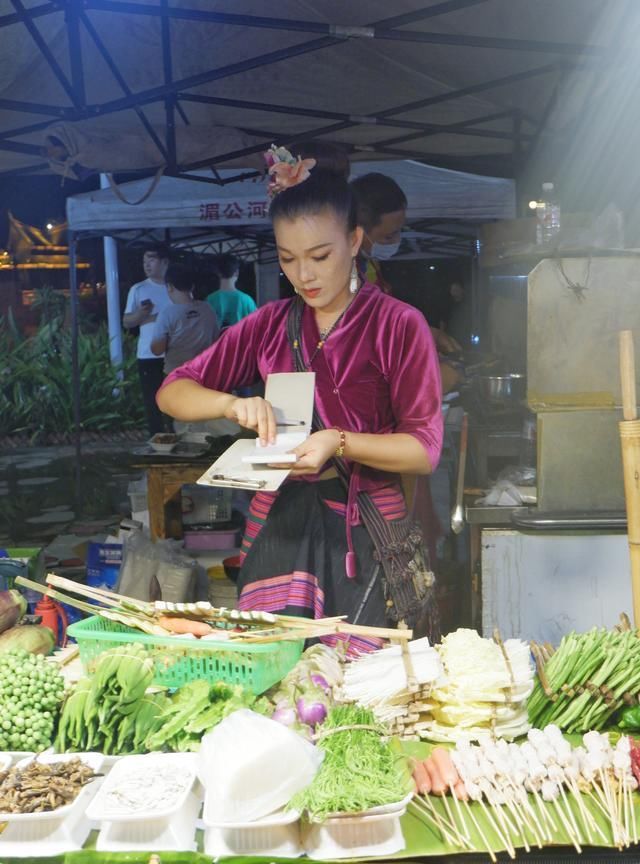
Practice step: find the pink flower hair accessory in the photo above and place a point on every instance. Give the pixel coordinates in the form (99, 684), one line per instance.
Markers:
(285, 170)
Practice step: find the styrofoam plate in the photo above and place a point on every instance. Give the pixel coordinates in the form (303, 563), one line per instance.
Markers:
(274, 836)
(273, 820)
(182, 764)
(376, 836)
(14, 755)
(93, 760)
(381, 809)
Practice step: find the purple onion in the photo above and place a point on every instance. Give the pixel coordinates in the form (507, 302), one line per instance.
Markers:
(311, 713)
(321, 682)
(285, 715)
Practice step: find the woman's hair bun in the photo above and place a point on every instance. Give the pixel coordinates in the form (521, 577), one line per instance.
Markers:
(329, 157)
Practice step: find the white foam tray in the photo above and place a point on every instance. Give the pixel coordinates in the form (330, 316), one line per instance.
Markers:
(171, 829)
(174, 834)
(355, 837)
(182, 764)
(275, 835)
(35, 835)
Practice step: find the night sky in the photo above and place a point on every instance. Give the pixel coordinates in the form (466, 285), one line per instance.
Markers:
(37, 200)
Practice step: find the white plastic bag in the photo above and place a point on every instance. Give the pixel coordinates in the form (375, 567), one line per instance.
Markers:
(252, 766)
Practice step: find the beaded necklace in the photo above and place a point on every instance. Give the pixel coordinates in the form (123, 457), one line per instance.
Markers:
(324, 335)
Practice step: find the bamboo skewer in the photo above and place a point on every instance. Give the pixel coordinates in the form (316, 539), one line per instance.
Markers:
(524, 812)
(531, 823)
(567, 827)
(572, 819)
(504, 838)
(458, 809)
(545, 816)
(483, 837)
(428, 810)
(497, 824)
(588, 821)
(630, 443)
(462, 841)
(144, 616)
(633, 816)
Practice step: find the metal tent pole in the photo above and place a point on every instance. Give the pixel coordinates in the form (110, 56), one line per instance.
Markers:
(113, 293)
(75, 361)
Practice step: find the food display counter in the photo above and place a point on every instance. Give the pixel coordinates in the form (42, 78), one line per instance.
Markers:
(234, 742)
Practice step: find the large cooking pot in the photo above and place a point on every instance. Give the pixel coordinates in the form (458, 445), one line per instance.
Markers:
(502, 389)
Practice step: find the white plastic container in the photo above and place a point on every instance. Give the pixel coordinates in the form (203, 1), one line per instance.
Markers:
(176, 833)
(170, 827)
(6, 759)
(277, 835)
(375, 832)
(355, 837)
(137, 492)
(36, 835)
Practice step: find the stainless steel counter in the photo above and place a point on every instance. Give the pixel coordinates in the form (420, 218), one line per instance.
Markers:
(485, 515)
(532, 519)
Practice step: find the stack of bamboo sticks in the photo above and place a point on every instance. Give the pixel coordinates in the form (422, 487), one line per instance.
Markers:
(229, 624)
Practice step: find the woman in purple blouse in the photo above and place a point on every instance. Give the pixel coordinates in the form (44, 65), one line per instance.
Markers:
(336, 539)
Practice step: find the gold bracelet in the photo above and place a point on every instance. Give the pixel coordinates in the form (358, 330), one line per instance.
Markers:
(343, 442)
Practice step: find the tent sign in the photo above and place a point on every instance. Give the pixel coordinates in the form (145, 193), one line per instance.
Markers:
(239, 211)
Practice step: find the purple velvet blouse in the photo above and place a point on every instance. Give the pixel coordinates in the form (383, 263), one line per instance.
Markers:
(378, 371)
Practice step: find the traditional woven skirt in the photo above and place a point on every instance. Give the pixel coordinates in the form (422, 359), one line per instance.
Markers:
(294, 550)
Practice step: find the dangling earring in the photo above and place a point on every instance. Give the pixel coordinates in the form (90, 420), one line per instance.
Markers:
(353, 280)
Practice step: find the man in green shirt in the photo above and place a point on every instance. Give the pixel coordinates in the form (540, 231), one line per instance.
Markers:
(229, 304)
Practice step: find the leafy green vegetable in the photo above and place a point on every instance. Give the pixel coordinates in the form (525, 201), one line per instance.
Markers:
(193, 711)
(588, 678)
(629, 719)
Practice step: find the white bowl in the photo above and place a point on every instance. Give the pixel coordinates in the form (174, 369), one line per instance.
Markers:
(163, 442)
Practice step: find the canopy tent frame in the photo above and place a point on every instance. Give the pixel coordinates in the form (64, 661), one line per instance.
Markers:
(174, 91)
(390, 131)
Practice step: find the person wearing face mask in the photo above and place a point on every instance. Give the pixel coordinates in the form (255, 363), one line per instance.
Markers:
(382, 208)
(382, 211)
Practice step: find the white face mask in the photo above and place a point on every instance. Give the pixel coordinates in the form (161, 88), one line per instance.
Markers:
(383, 251)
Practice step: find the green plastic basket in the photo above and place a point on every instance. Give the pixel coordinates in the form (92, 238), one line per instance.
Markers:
(178, 660)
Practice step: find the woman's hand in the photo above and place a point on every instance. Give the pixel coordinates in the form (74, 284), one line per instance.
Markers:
(314, 453)
(254, 413)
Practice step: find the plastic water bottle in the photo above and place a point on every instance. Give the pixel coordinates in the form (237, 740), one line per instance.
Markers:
(548, 215)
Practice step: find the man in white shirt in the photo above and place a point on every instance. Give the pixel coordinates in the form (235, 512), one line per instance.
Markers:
(145, 301)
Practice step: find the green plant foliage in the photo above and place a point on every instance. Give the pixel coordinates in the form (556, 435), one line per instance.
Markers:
(36, 381)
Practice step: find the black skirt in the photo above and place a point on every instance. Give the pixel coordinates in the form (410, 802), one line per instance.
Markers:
(294, 553)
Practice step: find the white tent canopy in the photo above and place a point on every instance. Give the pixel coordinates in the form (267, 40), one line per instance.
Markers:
(432, 193)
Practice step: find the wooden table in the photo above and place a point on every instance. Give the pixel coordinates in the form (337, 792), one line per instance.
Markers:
(165, 478)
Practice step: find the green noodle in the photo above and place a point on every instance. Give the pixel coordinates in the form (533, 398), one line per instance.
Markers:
(359, 771)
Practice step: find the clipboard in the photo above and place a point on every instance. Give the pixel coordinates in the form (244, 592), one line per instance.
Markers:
(230, 471)
(245, 465)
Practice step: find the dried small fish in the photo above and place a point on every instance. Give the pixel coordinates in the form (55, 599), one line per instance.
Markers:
(40, 787)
